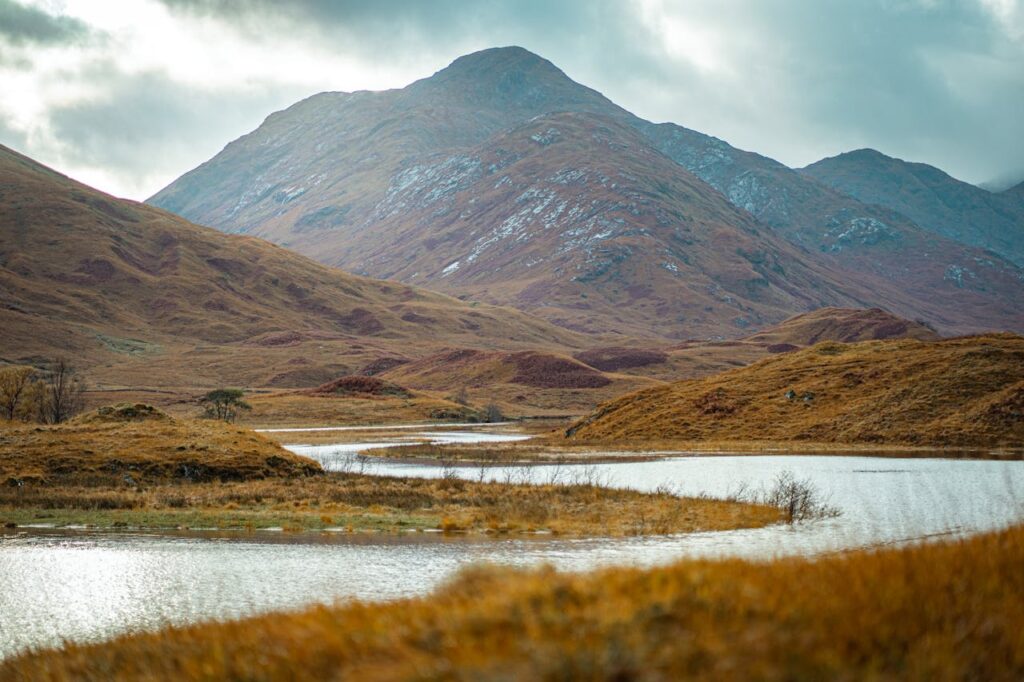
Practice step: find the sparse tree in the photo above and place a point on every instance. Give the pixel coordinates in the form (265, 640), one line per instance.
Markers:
(14, 387)
(493, 413)
(224, 404)
(62, 395)
(461, 396)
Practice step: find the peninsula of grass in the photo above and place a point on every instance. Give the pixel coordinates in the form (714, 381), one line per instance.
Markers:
(135, 467)
(941, 611)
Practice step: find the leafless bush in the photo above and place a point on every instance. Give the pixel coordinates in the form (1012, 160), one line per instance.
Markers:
(800, 500)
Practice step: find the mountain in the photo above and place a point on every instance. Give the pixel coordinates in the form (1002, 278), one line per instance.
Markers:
(404, 184)
(1015, 193)
(574, 217)
(967, 391)
(929, 197)
(135, 294)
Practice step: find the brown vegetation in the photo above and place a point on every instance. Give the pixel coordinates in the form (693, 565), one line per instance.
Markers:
(138, 296)
(846, 325)
(616, 359)
(300, 408)
(360, 386)
(951, 611)
(360, 502)
(132, 445)
(966, 392)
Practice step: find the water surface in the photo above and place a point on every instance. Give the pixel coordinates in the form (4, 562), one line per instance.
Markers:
(88, 586)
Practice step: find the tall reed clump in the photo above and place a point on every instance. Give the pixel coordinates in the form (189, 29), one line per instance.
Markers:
(946, 611)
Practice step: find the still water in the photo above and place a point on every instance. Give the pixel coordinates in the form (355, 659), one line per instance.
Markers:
(57, 585)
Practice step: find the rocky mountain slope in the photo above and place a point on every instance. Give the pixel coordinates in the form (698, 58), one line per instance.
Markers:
(404, 184)
(967, 391)
(131, 291)
(930, 197)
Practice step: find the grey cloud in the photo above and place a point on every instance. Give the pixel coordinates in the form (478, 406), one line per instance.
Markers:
(935, 81)
(810, 78)
(147, 125)
(22, 25)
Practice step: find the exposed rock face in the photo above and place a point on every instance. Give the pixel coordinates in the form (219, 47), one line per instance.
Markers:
(931, 198)
(500, 178)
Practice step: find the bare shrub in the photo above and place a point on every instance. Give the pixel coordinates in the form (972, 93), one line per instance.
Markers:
(800, 500)
(59, 394)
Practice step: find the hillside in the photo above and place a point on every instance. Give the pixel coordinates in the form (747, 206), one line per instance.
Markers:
(522, 383)
(366, 180)
(695, 358)
(844, 326)
(139, 445)
(929, 197)
(134, 294)
(575, 218)
(957, 392)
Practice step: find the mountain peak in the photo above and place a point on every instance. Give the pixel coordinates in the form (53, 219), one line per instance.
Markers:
(499, 59)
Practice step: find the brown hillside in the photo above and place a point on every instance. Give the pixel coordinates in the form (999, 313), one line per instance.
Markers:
(137, 444)
(957, 392)
(844, 325)
(524, 382)
(358, 386)
(135, 295)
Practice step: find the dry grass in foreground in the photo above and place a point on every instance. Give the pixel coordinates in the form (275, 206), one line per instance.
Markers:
(963, 392)
(951, 611)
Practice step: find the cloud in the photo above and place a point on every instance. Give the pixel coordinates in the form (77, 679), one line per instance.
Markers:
(22, 25)
(173, 80)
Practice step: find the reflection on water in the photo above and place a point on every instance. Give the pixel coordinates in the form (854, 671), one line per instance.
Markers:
(83, 586)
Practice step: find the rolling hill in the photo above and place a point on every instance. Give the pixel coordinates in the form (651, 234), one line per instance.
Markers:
(404, 183)
(137, 295)
(929, 197)
(967, 391)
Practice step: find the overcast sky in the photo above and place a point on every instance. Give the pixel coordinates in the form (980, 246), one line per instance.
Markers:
(126, 96)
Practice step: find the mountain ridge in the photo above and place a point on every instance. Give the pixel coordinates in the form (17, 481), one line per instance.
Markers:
(930, 197)
(312, 177)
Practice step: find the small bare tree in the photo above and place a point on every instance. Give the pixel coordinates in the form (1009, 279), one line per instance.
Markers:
(62, 395)
(799, 499)
(14, 385)
(493, 413)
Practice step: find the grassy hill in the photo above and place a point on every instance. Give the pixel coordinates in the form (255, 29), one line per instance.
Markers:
(957, 392)
(132, 445)
(138, 296)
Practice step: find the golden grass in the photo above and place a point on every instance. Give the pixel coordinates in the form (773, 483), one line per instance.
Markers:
(119, 448)
(373, 503)
(964, 392)
(295, 409)
(950, 611)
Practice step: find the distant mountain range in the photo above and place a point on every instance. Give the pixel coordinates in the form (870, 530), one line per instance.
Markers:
(931, 198)
(501, 179)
